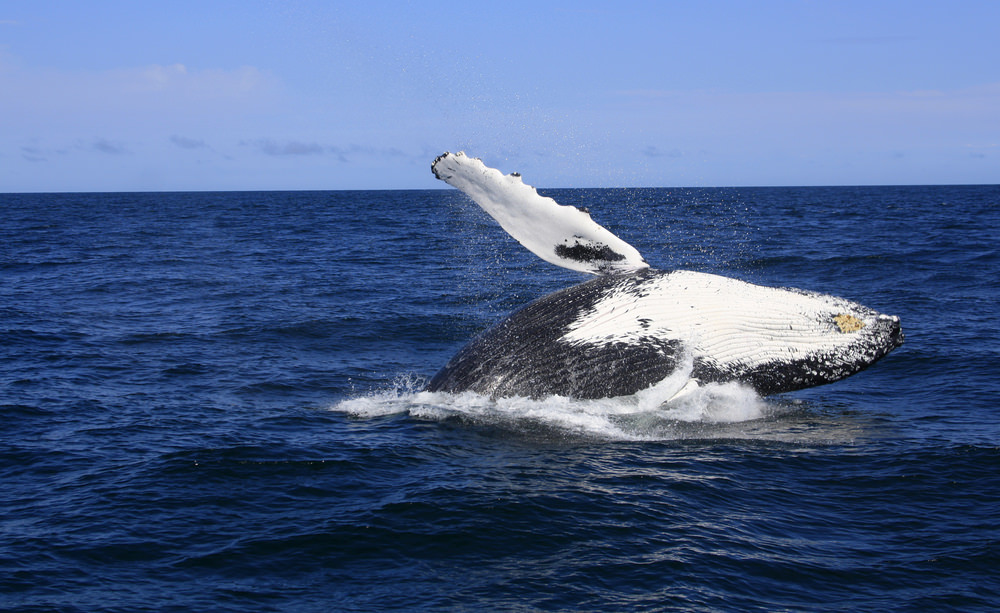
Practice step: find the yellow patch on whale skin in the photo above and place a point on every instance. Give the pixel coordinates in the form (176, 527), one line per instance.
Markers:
(848, 323)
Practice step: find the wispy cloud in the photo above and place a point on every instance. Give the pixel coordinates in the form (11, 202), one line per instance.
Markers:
(350, 152)
(39, 153)
(36, 151)
(188, 143)
(198, 84)
(150, 91)
(983, 150)
(103, 145)
(34, 154)
(289, 147)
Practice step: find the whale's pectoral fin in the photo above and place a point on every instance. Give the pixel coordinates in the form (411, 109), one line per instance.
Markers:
(562, 235)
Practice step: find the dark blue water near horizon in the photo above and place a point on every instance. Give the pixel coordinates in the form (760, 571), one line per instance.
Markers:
(210, 401)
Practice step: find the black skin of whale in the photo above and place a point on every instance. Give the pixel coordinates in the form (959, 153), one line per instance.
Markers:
(524, 356)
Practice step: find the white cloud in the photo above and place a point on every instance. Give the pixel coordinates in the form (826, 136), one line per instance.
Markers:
(161, 91)
(193, 85)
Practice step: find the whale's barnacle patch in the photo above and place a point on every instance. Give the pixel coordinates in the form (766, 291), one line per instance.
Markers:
(848, 323)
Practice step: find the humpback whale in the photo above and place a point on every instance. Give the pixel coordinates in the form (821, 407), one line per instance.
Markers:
(633, 327)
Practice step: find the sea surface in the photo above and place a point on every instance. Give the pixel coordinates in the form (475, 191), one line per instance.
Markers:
(212, 402)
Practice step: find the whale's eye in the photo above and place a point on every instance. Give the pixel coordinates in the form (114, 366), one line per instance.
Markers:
(848, 323)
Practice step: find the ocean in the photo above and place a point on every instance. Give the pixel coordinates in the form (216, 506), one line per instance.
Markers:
(212, 401)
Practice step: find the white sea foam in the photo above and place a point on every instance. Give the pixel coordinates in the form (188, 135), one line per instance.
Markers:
(647, 415)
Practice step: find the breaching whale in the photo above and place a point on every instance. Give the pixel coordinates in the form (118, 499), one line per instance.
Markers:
(634, 327)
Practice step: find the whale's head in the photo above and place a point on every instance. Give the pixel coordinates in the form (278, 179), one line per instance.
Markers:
(773, 339)
(820, 340)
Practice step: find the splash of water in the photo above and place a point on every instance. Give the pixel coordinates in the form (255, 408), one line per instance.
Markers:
(656, 413)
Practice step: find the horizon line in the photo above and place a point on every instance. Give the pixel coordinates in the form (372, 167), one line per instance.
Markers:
(447, 189)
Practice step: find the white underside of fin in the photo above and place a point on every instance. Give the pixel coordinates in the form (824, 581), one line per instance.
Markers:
(562, 235)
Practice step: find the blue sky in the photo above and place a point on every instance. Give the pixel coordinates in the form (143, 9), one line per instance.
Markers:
(218, 95)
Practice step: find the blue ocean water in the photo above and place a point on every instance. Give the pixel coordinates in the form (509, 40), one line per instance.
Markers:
(210, 401)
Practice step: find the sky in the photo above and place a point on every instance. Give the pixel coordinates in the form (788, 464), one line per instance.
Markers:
(328, 95)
